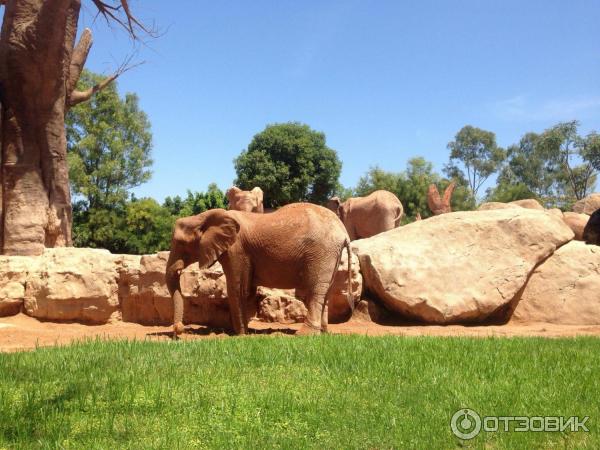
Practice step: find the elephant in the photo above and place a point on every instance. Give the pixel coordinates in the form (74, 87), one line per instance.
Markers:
(591, 232)
(250, 201)
(298, 246)
(367, 216)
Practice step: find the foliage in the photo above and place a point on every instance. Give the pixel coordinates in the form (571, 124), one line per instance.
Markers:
(330, 391)
(196, 202)
(567, 147)
(290, 162)
(477, 152)
(556, 167)
(109, 143)
(411, 186)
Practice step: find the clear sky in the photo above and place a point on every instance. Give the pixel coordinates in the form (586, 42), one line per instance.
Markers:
(385, 80)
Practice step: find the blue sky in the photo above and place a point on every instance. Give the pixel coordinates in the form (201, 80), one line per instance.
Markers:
(385, 80)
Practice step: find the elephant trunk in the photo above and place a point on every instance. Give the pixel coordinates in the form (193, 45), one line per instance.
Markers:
(174, 268)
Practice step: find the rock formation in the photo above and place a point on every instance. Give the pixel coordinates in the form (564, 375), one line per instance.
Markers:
(565, 289)
(458, 267)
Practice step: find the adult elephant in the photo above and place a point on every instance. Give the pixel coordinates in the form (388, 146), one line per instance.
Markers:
(250, 201)
(367, 216)
(298, 246)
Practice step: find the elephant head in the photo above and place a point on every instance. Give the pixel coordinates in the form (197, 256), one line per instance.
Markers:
(203, 239)
(250, 201)
(334, 204)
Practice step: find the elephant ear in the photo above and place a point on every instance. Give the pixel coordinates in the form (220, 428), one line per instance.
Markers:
(231, 193)
(258, 194)
(343, 210)
(218, 232)
(334, 204)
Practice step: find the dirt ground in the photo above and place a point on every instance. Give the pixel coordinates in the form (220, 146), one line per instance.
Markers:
(22, 332)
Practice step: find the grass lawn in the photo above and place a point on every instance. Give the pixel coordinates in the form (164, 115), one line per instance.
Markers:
(287, 392)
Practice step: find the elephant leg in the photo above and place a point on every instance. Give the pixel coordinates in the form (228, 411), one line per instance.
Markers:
(236, 310)
(239, 289)
(315, 303)
(325, 318)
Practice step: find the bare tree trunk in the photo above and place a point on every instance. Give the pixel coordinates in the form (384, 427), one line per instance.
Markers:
(39, 69)
(36, 45)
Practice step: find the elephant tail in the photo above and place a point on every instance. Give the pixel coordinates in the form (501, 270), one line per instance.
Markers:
(350, 296)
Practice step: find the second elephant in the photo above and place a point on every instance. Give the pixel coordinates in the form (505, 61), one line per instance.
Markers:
(367, 216)
(249, 201)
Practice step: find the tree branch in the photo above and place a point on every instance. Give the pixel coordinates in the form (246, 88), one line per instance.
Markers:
(122, 15)
(80, 54)
(78, 97)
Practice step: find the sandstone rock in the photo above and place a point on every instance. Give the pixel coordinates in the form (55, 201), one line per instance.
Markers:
(68, 284)
(588, 204)
(576, 222)
(13, 278)
(529, 203)
(489, 206)
(565, 289)
(458, 267)
(369, 311)
(148, 302)
(279, 305)
(555, 212)
(276, 305)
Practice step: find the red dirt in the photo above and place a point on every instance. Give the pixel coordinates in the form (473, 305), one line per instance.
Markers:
(21, 332)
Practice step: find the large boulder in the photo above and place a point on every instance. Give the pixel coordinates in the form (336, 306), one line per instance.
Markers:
(565, 289)
(588, 204)
(68, 284)
(146, 300)
(284, 306)
(458, 267)
(528, 203)
(491, 206)
(577, 223)
(13, 279)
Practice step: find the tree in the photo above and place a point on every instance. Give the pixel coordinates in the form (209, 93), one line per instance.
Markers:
(556, 167)
(148, 226)
(109, 144)
(196, 202)
(411, 186)
(40, 65)
(476, 150)
(290, 162)
(567, 148)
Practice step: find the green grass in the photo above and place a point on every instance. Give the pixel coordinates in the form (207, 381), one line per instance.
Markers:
(286, 392)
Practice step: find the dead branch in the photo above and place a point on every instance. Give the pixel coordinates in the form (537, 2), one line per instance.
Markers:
(122, 15)
(78, 97)
(80, 54)
(448, 195)
(439, 205)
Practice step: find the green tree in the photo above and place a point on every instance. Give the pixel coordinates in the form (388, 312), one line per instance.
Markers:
(109, 143)
(477, 152)
(148, 226)
(574, 154)
(290, 162)
(557, 167)
(411, 186)
(196, 202)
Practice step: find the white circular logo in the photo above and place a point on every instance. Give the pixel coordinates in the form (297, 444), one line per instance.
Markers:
(465, 424)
